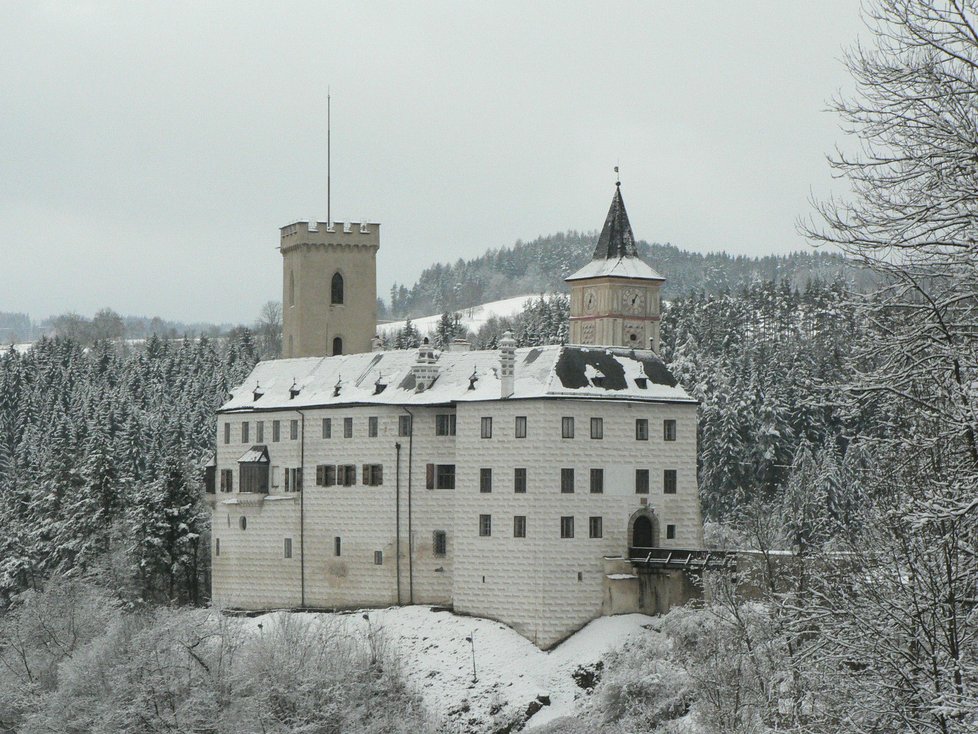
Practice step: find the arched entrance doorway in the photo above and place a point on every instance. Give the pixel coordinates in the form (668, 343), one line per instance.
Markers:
(642, 535)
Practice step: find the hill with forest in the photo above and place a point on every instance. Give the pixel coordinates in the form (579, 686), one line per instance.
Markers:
(540, 266)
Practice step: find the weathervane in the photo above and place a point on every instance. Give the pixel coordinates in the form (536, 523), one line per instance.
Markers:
(617, 177)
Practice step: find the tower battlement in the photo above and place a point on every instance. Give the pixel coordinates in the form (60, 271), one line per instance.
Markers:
(336, 233)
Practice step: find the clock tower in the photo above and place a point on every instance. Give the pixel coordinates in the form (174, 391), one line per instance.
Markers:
(615, 297)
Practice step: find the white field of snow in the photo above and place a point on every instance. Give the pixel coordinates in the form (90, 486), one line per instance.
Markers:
(435, 660)
(472, 318)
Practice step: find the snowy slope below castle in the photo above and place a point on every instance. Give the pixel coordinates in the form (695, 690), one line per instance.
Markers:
(513, 676)
(472, 318)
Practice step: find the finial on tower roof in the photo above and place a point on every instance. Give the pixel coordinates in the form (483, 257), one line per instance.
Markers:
(617, 177)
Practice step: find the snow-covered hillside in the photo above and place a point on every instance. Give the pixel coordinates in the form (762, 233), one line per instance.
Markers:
(472, 318)
(512, 676)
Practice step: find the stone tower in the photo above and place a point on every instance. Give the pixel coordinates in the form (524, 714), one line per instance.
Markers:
(615, 297)
(329, 288)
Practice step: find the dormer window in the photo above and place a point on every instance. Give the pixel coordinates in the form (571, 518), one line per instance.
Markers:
(294, 391)
(336, 291)
(258, 392)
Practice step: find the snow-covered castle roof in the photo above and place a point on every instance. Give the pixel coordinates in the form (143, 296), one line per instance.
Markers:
(390, 377)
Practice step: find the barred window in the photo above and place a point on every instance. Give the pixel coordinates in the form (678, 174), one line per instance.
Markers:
(567, 427)
(439, 543)
(519, 480)
(567, 526)
(597, 481)
(519, 526)
(597, 428)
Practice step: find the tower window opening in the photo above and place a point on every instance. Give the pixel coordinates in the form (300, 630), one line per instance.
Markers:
(337, 346)
(336, 289)
(291, 288)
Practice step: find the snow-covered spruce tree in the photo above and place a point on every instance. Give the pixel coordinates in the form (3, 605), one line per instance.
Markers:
(899, 629)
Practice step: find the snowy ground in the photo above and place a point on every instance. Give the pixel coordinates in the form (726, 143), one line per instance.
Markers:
(511, 673)
(472, 318)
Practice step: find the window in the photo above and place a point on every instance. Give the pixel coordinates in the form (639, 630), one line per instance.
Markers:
(485, 480)
(373, 475)
(217, 546)
(245, 432)
(670, 532)
(439, 543)
(227, 433)
(337, 545)
(641, 429)
(597, 481)
(521, 426)
(404, 425)
(669, 481)
(566, 481)
(346, 475)
(445, 476)
(445, 424)
(485, 526)
(347, 428)
(595, 527)
(253, 477)
(567, 427)
(337, 345)
(327, 427)
(243, 522)
(293, 479)
(378, 558)
(597, 428)
(260, 431)
(519, 526)
(519, 481)
(641, 481)
(336, 289)
(567, 526)
(288, 547)
(669, 430)
(325, 475)
(227, 480)
(293, 430)
(276, 430)
(372, 425)
(291, 289)
(487, 427)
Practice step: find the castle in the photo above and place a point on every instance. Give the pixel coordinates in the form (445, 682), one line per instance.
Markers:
(519, 484)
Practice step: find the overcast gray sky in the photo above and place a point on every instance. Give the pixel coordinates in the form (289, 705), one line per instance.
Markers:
(149, 152)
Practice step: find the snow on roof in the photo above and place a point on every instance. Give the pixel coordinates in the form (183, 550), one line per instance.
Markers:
(624, 267)
(386, 378)
(255, 454)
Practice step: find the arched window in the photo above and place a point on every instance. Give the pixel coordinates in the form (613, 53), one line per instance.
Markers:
(336, 289)
(291, 288)
(337, 345)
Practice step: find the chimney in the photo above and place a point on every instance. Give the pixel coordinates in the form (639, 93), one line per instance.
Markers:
(459, 345)
(425, 370)
(507, 365)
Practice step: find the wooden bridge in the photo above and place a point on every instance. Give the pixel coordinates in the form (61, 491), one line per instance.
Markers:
(681, 559)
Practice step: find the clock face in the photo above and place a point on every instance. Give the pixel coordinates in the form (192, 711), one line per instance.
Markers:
(589, 301)
(633, 300)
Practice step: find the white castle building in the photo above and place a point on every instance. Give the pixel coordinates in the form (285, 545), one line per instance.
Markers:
(515, 484)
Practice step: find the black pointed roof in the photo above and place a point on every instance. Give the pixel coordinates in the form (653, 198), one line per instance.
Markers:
(616, 255)
(616, 238)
